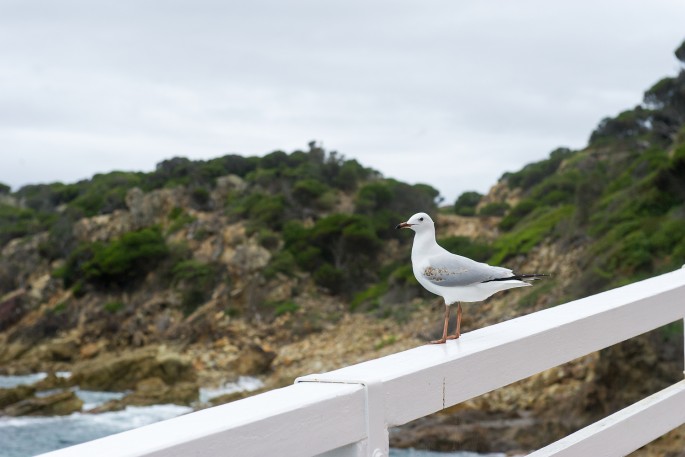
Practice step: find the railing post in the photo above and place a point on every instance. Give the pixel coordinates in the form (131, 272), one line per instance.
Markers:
(376, 426)
(377, 439)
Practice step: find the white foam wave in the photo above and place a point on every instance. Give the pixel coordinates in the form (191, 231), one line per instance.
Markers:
(242, 384)
(7, 382)
(25, 436)
(93, 399)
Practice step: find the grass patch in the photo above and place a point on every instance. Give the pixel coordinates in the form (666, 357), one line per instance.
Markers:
(370, 297)
(113, 306)
(530, 232)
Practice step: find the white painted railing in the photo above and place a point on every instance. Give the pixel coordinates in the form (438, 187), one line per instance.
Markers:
(347, 412)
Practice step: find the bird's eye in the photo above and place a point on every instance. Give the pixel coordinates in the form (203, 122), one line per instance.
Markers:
(421, 219)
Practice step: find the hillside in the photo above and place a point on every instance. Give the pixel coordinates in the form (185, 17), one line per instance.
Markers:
(280, 265)
(250, 238)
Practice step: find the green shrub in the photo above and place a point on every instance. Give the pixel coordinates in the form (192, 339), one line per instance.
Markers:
(127, 257)
(200, 197)
(330, 277)
(18, 222)
(464, 246)
(59, 308)
(404, 274)
(517, 213)
(308, 191)
(72, 272)
(534, 173)
(104, 193)
(119, 262)
(385, 341)
(78, 290)
(369, 297)
(282, 262)
(539, 290)
(195, 280)
(628, 124)
(527, 235)
(494, 209)
(114, 306)
(192, 270)
(466, 203)
(269, 239)
(267, 209)
(286, 307)
(179, 219)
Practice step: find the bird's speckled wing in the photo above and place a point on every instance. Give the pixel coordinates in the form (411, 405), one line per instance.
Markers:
(450, 270)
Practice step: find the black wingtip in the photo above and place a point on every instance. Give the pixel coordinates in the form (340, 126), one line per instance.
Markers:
(532, 276)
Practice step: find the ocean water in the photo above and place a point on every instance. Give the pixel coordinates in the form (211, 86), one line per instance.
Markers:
(244, 383)
(29, 436)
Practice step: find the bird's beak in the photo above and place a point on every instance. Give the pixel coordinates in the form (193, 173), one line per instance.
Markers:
(403, 225)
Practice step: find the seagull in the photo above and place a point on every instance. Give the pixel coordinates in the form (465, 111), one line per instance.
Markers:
(455, 278)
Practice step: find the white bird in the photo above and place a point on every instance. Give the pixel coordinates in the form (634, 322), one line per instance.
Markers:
(453, 277)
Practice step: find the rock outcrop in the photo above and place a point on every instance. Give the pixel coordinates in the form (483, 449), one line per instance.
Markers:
(15, 394)
(58, 404)
(113, 372)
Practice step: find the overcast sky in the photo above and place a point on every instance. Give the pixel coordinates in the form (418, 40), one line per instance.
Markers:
(449, 93)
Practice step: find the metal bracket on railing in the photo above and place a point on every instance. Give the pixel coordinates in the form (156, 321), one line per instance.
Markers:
(376, 427)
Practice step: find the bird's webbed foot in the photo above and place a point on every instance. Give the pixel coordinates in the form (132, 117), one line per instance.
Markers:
(440, 341)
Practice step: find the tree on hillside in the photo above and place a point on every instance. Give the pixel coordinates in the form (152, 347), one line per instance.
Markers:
(466, 203)
(680, 52)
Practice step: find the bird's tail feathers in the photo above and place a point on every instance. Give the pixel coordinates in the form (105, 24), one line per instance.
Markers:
(532, 276)
(522, 277)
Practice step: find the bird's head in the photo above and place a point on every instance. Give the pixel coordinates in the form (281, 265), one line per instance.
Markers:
(418, 223)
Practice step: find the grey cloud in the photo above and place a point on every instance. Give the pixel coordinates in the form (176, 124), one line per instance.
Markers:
(405, 87)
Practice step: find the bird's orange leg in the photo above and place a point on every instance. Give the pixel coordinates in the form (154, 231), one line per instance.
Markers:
(457, 332)
(444, 329)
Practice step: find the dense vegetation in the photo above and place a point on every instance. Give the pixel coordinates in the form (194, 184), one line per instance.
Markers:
(623, 196)
(289, 201)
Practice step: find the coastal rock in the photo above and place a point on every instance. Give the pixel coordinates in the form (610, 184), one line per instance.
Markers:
(228, 183)
(90, 350)
(472, 227)
(468, 430)
(153, 391)
(15, 394)
(501, 192)
(115, 372)
(62, 349)
(11, 351)
(253, 360)
(22, 264)
(59, 404)
(13, 306)
(242, 255)
(102, 227)
(52, 381)
(233, 396)
(150, 208)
